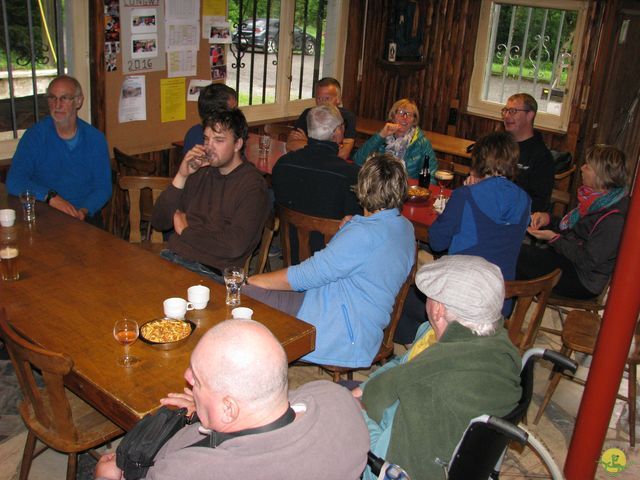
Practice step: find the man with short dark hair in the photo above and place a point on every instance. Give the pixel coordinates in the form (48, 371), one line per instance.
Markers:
(217, 203)
(212, 97)
(417, 407)
(62, 159)
(327, 91)
(251, 425)
(535, 167)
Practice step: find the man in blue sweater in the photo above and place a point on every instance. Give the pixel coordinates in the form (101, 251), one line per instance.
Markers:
(62, 159)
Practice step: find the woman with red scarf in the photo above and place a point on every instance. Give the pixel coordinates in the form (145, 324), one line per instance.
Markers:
(584, 243)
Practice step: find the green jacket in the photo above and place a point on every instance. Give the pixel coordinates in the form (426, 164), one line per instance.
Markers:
(413, 157)
(439, 391)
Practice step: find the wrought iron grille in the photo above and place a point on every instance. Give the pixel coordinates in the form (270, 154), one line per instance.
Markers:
(31, 32)
(254, 50)
(531, 51)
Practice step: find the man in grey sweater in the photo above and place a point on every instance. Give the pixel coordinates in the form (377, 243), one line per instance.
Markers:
(238, 378)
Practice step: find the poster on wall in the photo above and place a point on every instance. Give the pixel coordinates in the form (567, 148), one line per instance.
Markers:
(111, 34)
(142, 36)
(132, 106)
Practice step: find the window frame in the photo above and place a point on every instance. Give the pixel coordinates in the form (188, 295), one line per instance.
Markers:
(484, 108)
(333, 63)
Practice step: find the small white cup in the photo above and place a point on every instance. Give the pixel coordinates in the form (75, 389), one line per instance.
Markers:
(198, 296)
(176, 308)
(242, 312)
(7, 217)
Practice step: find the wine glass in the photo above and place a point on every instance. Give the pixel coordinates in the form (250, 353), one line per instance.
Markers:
(126, 332)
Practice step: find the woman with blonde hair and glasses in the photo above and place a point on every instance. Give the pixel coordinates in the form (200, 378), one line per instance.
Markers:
(584, 243)
(347, 290)
(402, 137)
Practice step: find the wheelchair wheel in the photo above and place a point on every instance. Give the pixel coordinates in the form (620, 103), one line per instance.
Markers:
(531, 461)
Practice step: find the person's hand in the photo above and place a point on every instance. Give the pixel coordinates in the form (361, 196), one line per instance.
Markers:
(298, 135)
(180, 400)
(180, 221)
(344, 221)
(389, 129)
(107, 468)
(541, 234)
(471, 180)
(193, 160)
(61, 204)
(357, 392)
(82, 213)
(539, 219)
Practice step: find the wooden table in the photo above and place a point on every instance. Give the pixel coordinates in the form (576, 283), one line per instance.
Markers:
(77, 280)
(422, 215)
(440, 142)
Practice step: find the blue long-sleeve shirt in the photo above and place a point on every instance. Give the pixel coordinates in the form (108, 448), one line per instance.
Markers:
(351, 286)
(78, 170)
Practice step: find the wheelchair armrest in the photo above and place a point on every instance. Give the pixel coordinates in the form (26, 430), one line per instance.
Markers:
(560, 361)
(509, 429)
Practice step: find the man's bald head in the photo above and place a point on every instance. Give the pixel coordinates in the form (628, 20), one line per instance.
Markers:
(242, 359)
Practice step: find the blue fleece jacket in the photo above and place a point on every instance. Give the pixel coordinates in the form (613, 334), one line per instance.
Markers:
(81, 174)
(351, 286)
(488, 219)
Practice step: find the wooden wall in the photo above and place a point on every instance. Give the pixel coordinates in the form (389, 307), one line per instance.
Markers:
(449, 43)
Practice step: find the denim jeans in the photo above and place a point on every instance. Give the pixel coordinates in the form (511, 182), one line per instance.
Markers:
(191, 265)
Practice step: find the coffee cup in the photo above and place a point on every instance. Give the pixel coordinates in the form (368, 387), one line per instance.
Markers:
(198, 296)
(176, 308)
(7, 217)
(242, 312)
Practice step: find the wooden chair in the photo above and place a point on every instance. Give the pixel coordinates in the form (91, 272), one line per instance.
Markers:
(579, 335)
(135, 186)
(304, 225)
(270, 228)
(560, 197)
(126, 165)
(524, 292)
(278, 131)
(53, 414)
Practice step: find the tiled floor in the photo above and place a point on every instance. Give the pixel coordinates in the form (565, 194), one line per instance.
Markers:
(555, 428)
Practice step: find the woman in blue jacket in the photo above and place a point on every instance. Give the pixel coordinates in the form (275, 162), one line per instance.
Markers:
(347, 290)
(402, 137)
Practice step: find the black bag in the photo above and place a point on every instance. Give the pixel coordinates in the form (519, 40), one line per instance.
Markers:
(140, 445)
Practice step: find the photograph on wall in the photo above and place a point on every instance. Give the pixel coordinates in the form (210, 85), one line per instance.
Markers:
(216, 53)
(110, 62)
(111, 7)
(144, 20)
(144, 46)
(219, 73)
(111, 28)
(219, 32)
(193, 92)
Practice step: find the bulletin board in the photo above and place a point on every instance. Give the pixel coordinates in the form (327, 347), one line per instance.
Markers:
(152, 134)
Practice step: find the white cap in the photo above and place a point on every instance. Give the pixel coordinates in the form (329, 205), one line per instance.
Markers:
(468, 286)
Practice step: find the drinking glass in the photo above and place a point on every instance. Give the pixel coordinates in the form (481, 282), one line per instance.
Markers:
(444, 177)
(264, 144)
(28, 200)
(126, 331)
(233, 280)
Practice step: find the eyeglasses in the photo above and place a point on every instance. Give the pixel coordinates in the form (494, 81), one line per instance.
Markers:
(513, 111)
(404, 114)
(64, 99)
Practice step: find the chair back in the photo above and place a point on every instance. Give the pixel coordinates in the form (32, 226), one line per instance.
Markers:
(304, 225)
(50, 406)
(271, 226)
(128, 165)
(386, 347)
(135, 186)
(524, 292)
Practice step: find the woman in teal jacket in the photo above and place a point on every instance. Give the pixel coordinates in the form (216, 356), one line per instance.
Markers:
(402, 137)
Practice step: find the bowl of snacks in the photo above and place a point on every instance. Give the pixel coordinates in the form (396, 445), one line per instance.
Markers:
(166, 333)
(417, 194)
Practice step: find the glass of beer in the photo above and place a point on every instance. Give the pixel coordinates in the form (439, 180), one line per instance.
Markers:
(444, 178)
(9, 262)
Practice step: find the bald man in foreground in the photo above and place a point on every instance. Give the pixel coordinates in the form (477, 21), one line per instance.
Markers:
(238, 378)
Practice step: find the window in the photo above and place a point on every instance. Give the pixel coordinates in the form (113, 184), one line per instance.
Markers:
(531, 47)
(274, 73)
(41, 24)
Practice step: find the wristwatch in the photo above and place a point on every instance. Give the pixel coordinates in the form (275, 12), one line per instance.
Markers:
(50, 195)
